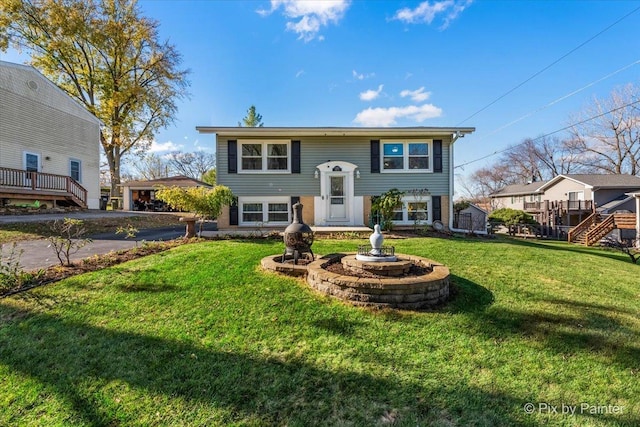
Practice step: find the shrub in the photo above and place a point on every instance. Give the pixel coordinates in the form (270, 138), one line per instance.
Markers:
(509, 216)
(68, 238)
(385, 204)
(12, 276)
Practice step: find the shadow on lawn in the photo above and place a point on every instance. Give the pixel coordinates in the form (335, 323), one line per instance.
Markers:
(564, 246)
(468, 296)
(569, 329)
(87, 367)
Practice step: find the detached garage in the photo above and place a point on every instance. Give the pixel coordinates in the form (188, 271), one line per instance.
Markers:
(140, 195)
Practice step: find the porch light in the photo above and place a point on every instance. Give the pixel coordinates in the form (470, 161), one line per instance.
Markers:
(358, 173)
(315, 174)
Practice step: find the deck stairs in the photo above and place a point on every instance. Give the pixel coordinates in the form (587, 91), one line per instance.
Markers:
(595, 227)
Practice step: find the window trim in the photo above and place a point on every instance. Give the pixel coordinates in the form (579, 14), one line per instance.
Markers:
(79, 169)
(38, 157)
(405, 155)
(405, 211)
(265, 201)
(265, 157)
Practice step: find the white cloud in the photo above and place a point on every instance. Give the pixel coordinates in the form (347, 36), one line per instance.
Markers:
(426, 12)
(307, 17)
(385, 117)
(370, 95)
(361, 76)
(299, 73)
(418, 95)
(157, 147)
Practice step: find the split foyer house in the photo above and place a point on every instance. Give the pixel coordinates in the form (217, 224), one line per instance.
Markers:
(334, 172)
(49, 143)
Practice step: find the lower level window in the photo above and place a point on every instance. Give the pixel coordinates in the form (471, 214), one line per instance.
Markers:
(412, 211)
(266, 210)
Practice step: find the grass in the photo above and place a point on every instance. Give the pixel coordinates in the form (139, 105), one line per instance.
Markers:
(199, 335)
(14, 232)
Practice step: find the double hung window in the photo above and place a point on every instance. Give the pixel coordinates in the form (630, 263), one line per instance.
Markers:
(406, 156)
(265, 156)
(272, 210)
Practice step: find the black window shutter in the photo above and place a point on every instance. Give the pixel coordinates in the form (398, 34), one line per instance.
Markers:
(233, 211)
(437, 155)
(232, 156)
(436, 208)
(295, 156)
(375, 156)
(294, 200)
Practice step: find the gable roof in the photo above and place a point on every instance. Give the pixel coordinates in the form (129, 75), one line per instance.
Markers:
(178, 180)
(237, 131)
(598, 181)
(519, 189)
(27, 82)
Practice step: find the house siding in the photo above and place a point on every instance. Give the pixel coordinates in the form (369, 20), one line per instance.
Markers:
(560, 190)
(47, 122)
(318, 150)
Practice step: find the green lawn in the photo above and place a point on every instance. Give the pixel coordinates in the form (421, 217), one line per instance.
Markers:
(199, 335)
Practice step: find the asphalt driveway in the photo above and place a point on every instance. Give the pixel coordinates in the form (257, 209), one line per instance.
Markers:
(36, 254)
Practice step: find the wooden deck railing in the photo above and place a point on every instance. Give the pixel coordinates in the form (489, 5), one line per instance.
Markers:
(38, 181)
(583, 226)
(599, 231)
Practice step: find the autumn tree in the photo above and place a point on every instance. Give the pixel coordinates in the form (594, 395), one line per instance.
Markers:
(193, 165)
(209, 177)
(108, 57)
(252, 119)
(610, 142)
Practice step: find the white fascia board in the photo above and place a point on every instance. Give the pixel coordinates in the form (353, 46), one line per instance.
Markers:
(332, 131)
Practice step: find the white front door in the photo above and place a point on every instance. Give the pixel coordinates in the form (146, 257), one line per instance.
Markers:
(337, 200)
(337, 204)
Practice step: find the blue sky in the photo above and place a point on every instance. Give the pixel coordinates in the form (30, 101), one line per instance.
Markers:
(396, 63)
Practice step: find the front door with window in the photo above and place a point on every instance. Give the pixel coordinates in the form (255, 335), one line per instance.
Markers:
(337, 197)
(336, 204)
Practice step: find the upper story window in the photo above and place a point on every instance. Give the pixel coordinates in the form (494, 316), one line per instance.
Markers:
(406, 156)
(74, 169)
(264, 156)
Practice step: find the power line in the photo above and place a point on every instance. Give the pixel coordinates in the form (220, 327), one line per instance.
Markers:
(549, 66)
(547, 134)
(562, 98)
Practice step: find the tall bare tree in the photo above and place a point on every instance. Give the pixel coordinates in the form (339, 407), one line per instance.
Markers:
(610, 143)
(193, 165)
(107, 56)
(151, 166)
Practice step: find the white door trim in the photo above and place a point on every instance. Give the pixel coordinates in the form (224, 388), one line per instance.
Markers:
(337, 168)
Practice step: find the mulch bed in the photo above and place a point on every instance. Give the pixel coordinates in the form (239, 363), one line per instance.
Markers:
(338, 268)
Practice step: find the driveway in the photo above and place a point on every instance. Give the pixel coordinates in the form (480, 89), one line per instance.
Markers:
(36, 254)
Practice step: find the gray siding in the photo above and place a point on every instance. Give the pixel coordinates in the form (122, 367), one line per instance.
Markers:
(317, 150)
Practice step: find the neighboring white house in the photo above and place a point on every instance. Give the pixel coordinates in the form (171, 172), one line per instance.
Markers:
(49, 143)
(334, 173)
(565, 201)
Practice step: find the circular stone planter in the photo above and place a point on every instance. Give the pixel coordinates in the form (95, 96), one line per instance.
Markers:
(274, 263)
(406, 292)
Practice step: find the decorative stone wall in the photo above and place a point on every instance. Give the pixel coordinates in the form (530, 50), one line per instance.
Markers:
(273, 263)
(409, 292)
